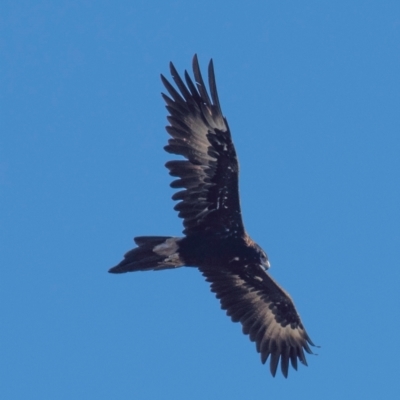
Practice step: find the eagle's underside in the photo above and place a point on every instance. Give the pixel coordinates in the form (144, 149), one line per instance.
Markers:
(215, 240)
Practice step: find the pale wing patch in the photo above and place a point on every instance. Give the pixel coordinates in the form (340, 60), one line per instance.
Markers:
(170, 246)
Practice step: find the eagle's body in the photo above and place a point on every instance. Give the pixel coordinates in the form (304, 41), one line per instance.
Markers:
(215, 240)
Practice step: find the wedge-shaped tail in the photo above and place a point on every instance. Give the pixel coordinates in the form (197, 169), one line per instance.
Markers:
(152, 253)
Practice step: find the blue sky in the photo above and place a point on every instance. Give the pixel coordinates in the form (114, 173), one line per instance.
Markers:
(311, 91)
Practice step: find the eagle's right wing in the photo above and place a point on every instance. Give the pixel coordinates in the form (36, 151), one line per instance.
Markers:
(209, 175)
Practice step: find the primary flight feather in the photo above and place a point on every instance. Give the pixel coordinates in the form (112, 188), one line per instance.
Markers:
(215, 240)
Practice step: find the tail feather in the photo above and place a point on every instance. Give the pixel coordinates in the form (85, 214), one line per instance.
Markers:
(148, 240)
(153, 253)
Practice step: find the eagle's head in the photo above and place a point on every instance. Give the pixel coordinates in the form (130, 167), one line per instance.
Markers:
(263, 256)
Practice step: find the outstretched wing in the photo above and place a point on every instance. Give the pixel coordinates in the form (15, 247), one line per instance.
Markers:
(209, 175)
(265, 311)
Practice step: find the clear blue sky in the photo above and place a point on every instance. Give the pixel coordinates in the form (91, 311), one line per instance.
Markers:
(311, 91)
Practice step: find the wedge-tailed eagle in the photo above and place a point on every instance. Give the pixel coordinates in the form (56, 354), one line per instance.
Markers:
(215, 240)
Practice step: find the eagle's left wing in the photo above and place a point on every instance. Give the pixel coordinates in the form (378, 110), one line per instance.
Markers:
(265, 311)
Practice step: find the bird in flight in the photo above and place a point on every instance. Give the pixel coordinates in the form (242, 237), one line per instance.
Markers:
(215, 240)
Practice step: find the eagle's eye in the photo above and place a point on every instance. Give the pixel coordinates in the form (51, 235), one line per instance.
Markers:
(264, 259)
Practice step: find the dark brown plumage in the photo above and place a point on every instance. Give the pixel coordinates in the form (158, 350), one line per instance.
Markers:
(215, 240)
